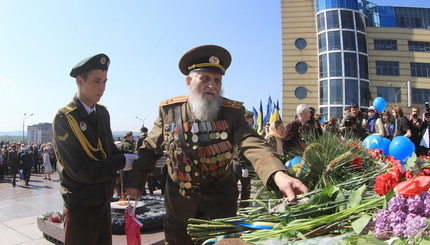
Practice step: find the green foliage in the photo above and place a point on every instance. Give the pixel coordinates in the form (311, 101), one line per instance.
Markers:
(328, 158)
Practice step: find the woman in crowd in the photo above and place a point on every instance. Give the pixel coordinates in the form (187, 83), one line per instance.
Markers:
(401, 125)
(332, 125)
(383, 125)
(275, 137)
(47, 169)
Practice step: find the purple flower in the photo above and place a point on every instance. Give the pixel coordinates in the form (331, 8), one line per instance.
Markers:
(415, 204)
(414, 225)
(397, 203)
(382, 224)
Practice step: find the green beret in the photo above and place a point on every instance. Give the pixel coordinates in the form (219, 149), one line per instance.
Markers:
(99, 61)
(207, 57)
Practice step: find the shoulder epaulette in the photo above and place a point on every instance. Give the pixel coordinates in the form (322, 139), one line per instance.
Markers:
(175, 100)
(67, 109)
(231, 104)
(100, 104)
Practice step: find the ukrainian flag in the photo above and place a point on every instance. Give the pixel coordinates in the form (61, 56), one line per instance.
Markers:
(268, 111)
(259, 122)
(275, 113)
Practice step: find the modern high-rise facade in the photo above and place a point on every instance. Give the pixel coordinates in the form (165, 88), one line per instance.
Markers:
(340, 52)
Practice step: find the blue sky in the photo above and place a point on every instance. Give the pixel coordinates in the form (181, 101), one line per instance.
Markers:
(41, 40)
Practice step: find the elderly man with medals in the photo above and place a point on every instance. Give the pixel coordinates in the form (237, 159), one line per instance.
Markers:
(199, 132)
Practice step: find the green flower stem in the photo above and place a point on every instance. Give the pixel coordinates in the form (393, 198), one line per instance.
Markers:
(312, 223)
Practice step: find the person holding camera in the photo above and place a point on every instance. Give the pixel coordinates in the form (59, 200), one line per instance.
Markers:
(352, 123)
(424, 136)
(416, 124)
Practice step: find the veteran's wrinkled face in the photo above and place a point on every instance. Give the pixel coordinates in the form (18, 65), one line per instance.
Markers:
(205, 83)
(91, 88)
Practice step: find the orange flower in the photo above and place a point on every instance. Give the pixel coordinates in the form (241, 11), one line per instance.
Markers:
(413, 186)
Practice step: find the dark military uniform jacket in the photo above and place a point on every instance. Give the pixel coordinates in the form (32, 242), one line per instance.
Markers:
(87, 156)
(206, 153)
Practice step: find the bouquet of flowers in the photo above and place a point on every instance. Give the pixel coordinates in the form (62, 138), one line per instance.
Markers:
(55, 217)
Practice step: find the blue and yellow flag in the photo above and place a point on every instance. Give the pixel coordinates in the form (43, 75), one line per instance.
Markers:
(259, 122)
(268, 111)
(275, 113)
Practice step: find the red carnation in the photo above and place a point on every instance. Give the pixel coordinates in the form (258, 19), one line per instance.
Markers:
(356, 163)
(385, 182)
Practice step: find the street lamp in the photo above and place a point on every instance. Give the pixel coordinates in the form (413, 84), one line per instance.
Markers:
(143, 120)
(397, 93)
(23, 123)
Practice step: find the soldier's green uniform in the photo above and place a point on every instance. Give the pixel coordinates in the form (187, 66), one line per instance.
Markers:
(201, 182)
(87, 163)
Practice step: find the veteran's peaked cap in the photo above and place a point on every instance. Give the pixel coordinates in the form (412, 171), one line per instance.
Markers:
(206, 57)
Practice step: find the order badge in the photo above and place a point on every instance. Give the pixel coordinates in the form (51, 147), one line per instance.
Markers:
(83, 126)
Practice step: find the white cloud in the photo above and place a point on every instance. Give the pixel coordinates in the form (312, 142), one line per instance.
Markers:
(3, 80)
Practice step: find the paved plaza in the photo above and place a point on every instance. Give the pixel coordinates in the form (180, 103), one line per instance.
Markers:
(20, 207)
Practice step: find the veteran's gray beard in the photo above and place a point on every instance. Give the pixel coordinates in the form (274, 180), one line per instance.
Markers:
(203, 106)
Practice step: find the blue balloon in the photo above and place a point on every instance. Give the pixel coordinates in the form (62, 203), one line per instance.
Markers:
(372, 141)
(385, 146)
(401, 148)
(379, 103)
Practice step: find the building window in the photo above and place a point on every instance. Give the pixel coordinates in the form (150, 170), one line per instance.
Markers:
(347, 19)
(361, 42)
(359, 23)
(387, 68)
(420, 69)
(335, 64)
(323, 92)
(350, 60)
(363, 66)
(364, 93)
(351, 91)
(389, 94)
(301, 43)
(336, 92)
(332, 19)
(348, 40)
(335, 111)
(333, 39)
(385, 44)
(419, 46)
(322, 43)
(301, 93)
(420, 96)
(301, 67)
(323, 66)
(321, 22)
(324, 113)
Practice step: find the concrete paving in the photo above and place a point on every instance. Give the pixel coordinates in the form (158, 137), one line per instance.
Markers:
(21, 205)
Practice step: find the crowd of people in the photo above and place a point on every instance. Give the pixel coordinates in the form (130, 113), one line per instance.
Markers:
(354, 122)
(20, 159)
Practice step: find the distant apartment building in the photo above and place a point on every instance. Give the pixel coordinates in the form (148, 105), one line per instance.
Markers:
(40, 133)
(339, 52)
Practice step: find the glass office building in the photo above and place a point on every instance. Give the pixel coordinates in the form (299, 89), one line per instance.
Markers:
(351, 51)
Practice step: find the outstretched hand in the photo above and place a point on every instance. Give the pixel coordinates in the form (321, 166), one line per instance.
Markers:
(289, 186)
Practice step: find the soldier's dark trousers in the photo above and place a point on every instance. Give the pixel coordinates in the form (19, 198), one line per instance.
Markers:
(26, 171)
(88, 226)
(212, 202)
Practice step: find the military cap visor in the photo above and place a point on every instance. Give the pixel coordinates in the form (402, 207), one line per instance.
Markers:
(207, 57)
(99, 61)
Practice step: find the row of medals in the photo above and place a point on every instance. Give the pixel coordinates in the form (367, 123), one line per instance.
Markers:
(209, 155)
